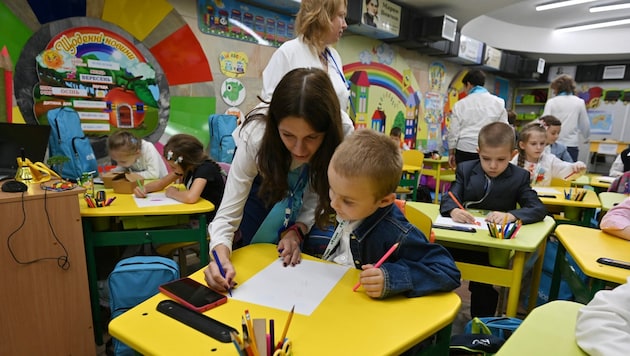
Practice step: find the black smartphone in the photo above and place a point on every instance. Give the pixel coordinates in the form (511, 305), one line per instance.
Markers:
(611, 262)
(193, 294)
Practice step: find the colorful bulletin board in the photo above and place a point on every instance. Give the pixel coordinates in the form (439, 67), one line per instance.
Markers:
(245, 22)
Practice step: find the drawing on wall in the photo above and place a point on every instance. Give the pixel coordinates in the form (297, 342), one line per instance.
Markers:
(601, 122)
(233, 92)
(233, 64)
(395, 101)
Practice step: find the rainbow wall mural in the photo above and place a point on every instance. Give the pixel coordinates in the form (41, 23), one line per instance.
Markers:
(383, 76)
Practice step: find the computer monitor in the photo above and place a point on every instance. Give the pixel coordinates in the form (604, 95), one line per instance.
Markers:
(14, 137)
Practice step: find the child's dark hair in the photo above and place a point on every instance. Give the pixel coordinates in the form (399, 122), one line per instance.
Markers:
(496, 134)
(550, 120)
(124, 141)
(525, 134)
(185, 150)
(395, 131)
(511, 116)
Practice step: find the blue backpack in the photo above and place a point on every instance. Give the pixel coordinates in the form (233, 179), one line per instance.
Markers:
(134, 280)
(67, 139)
(222, 146)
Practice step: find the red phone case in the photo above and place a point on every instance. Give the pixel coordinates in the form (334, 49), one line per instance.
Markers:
(183, 301)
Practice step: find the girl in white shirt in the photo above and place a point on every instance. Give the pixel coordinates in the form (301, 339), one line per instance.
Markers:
(133, 154)
(542, 167)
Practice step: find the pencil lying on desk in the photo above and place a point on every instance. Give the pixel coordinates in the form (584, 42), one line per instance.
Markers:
(379, 263)
(459, 205)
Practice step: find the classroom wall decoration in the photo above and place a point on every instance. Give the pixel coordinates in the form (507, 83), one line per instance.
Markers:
(161, 35)
(245, 22)
(102, 76)
(382, 90)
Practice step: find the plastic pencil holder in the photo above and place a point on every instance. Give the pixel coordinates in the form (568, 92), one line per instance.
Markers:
(499, 257)
(572, 212)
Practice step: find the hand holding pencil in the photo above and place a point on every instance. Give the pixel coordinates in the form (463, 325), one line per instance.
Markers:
(372, 277)
(462, 215)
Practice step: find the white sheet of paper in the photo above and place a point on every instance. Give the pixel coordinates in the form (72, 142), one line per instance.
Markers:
(155, 199)
(606, 179)
(607, 149)
(443, 220)
(304, 285)
(545, 190)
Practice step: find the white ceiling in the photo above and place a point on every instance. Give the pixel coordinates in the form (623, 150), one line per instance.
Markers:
(515, 25)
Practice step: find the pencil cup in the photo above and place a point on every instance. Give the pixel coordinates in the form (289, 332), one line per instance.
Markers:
(572, 213)
(87, 182)
(499, 257)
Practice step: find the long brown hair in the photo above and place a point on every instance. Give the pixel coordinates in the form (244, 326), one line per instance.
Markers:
(305, 93)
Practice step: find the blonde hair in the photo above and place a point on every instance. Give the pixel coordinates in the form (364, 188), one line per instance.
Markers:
(125, 142)
(314, 19)
(372, 155)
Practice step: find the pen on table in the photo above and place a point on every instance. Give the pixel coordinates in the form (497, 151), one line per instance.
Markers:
(286, 329)
(221, 270)
(459, 205)
(379, 263)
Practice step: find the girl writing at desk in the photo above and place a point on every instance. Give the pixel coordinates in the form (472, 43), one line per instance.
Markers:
(133, 154)
(277, 186)
(542, 166)
(190, 163)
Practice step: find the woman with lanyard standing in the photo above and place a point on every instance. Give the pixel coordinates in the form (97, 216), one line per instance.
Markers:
(318, 24)
(571, 111)
(277, 187)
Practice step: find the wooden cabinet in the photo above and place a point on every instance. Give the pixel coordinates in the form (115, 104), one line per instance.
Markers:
(529, 103)
(44, 308)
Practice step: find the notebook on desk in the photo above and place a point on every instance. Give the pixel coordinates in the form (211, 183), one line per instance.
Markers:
(15, 137)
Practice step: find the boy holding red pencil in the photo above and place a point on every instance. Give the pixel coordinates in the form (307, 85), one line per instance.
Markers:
(363, 175)
(490, 183)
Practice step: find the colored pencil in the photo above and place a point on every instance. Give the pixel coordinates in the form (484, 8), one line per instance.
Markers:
(459, 205)
(286, 329)
(379, 263)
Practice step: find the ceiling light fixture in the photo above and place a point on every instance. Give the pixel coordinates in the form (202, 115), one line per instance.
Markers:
(557, 4)
(613, 7)
(592, 26)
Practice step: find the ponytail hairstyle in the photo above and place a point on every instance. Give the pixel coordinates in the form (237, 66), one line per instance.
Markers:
(186, 151)
(550, 120)
(525, 134)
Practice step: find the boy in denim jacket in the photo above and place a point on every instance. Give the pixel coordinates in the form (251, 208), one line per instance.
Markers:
(363, 175)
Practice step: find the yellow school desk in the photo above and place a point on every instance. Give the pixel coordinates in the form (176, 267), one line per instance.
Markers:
(345, 323)
(605, 147)
(579, 211)
(124, 205)
(530, 239)
(581, 181)
(602, 183)
(586, 245)
(435, 170)
(610, 199)
(547, 330)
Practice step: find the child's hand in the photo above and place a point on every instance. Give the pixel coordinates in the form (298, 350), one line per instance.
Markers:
(139, 192)
(289, 249)
(579, 167)
(462, 216)
(373, 280)
(170, 192)
(212, 274)
(499, 217)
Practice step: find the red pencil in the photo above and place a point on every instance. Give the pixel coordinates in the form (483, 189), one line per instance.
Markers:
(379, 263)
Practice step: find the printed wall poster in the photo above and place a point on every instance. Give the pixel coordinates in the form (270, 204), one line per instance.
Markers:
(102, 76)
(601, 122)
(243, 21)
(382, 14)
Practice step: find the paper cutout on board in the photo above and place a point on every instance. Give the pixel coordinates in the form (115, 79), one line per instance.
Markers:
(233, 64)
(233, 92)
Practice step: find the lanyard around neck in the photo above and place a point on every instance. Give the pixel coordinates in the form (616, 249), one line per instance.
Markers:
(327, 56)
(334, 240)
(288, 211)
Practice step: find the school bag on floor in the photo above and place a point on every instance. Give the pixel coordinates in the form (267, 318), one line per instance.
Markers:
(67, 139)
(222, 145)
(134, 280)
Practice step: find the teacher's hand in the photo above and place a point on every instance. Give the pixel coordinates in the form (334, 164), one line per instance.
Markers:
(289, 248)
(212, 274)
